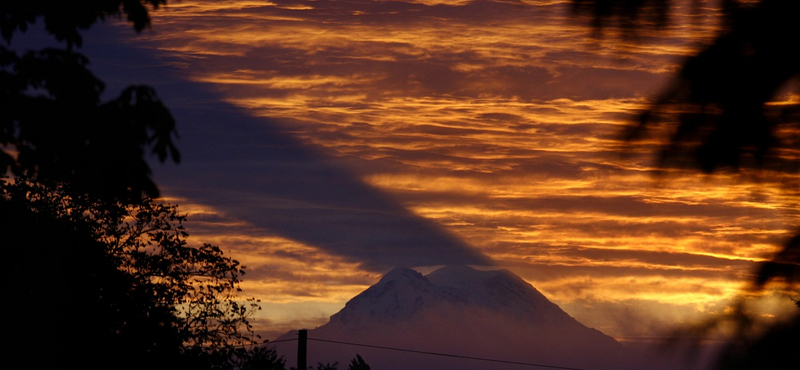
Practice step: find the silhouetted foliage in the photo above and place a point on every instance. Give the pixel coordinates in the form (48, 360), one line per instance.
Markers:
(720, 97)
(775, 348)
(358, 363)
(64, 19)
(117, 286)
(784, 265)
(724, 120)
(628, 14)
(326, 366)
(260, 358)
(100, 275)
(53, 127)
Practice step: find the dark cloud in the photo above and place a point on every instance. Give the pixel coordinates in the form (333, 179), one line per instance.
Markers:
(638, 206)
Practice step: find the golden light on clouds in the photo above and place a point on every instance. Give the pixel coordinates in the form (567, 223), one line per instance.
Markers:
(500, 122)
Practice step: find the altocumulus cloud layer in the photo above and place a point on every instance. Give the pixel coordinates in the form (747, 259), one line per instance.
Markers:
(356, 135)
(255, 170)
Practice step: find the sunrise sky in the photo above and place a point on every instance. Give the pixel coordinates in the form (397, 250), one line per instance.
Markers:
(325, 142)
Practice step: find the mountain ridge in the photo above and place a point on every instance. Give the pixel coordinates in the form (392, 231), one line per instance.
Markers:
(462, 311)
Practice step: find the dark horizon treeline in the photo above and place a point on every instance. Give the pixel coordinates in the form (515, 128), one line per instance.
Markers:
(95, 284)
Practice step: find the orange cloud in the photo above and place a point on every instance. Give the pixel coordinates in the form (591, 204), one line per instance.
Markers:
(498, 121)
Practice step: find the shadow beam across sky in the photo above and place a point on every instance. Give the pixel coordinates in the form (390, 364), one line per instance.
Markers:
(249, 168)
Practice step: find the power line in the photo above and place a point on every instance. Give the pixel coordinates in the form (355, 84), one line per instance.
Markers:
(449, 355)
(279, 341)
(262, 343)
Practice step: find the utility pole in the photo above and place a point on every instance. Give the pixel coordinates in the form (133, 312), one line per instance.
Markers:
(302, 341)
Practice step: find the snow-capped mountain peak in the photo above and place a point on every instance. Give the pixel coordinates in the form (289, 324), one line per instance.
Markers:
(462, 310)
(403, 293)
(500, 290)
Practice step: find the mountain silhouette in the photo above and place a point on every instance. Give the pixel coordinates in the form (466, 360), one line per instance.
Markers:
(465, 313)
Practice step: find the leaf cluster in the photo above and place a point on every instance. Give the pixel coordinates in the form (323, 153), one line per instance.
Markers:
(719, 107)
(326, 366)
(100, 275)
(358, 363)
(65, 19)
(722, 116)
(124, 278)
(54, 126)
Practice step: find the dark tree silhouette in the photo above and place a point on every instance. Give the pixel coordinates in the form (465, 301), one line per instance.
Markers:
(98, 286)
(358, 363)
(66, 18)
(720, 98)
(53, 127)
(326, 366)
(261, 358)
(720, 109)
(101, 276)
